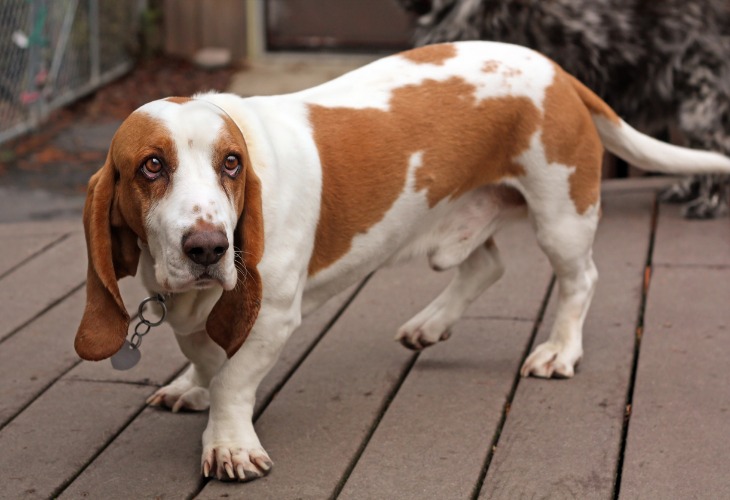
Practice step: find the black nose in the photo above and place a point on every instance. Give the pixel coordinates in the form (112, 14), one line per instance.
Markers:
(205, 247)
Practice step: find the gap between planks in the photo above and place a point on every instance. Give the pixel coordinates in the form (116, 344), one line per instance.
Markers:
(513, 390)
(58, 491)
(637, 349)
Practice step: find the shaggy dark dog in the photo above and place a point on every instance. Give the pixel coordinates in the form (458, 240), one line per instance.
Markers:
(658, 63)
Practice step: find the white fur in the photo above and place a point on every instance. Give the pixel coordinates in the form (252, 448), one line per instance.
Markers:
(196, 183)
(650, 154)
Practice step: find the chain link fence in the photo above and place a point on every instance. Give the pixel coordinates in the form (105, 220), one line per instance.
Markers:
(54, 51)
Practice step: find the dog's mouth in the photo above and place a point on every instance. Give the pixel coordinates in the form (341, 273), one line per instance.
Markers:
(202, 281)
(205, 280)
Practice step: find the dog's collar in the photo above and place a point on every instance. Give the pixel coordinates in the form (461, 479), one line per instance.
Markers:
(129, 355)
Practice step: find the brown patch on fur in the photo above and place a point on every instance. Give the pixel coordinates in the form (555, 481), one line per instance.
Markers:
(365, 154)
(139, 137)
(196, 209)
(570, 138)
(490, 66)
(179, 100)
(431, 54)
(204, 225)
(230, 141)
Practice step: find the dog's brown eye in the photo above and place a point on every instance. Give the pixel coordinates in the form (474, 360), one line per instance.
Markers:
(152, 168)
(232, 166)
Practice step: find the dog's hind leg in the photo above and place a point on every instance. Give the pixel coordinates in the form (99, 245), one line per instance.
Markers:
(567, 241)
(474, 275)
(189, 391)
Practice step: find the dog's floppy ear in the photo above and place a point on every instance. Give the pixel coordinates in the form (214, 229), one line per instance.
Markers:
(113, 253)
(233, 316)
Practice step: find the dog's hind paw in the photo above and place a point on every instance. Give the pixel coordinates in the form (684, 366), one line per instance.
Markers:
(551, 360)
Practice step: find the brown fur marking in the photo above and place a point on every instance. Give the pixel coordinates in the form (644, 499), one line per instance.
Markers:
(570, 138)
(179, 100)
(490, 66)
(465, 144)
(230, 141)
(431, 54)
(139, 137)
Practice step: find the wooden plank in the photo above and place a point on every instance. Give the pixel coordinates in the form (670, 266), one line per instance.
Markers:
(55, 436)
(37, 228)
(173, 440)
(156, 456)
(432, 441)
(38, 355)
(87, 405)
(562, 438)
(316, 425)
(43, 351)
(691, 242)
(680, 421)
(24, 248)
(41, 282)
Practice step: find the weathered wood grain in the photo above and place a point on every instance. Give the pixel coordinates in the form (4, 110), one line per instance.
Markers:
(562, 437)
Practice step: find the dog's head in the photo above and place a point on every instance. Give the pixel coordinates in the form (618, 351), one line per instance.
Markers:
(177, 182)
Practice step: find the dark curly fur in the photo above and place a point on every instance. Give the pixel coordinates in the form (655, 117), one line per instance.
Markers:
(658, 63)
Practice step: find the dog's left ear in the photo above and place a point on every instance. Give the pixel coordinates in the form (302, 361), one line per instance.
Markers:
(233, 316)
(113, 253)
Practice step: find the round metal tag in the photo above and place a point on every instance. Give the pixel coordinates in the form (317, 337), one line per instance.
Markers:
(126, 358)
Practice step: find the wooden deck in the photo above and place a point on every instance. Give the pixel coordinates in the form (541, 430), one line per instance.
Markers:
(349, 413)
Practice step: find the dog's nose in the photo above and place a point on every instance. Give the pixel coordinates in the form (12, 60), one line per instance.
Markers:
(205, 247)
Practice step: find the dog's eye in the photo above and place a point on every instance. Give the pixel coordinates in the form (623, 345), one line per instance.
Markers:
(152, 168)
(232, 166)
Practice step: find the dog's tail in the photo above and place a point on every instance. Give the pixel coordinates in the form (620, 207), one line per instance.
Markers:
(641, 150)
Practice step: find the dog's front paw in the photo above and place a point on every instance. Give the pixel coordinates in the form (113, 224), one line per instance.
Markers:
(551, 360)
(181, 394)
(228, 462)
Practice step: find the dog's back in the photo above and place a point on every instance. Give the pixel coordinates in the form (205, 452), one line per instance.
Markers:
(658, 64)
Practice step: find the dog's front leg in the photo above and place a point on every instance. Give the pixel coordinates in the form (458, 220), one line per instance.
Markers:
(189, 391)
(231, 448)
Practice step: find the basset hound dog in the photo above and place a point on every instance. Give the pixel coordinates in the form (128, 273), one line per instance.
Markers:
(248, 213)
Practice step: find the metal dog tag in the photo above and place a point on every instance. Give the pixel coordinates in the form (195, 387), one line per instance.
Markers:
(127, 357)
